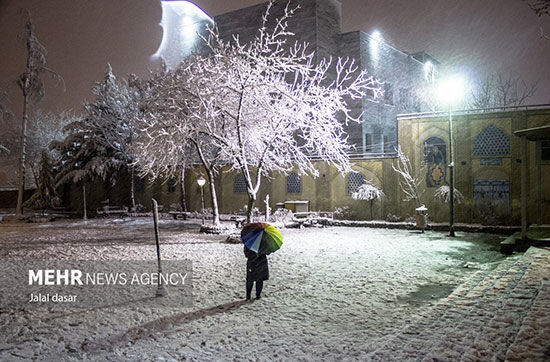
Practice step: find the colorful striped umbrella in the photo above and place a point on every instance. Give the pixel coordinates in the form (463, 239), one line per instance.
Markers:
(261, 238)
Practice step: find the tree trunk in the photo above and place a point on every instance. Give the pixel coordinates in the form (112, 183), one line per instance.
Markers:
(132, 189)
(23, 141)
(371, 215)
(215, 212)
(84, 207)
(251, 202)
(183, 203)
(210, 175)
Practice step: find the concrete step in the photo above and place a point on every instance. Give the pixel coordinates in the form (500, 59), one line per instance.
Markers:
(418, 339)
(537, 235)
(494, 339)
(532, 340)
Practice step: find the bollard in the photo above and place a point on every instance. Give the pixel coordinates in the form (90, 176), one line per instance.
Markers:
(161, 290)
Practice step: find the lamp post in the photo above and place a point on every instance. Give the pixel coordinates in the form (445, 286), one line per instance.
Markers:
(452, 178)
(201, 181)
(451, 91)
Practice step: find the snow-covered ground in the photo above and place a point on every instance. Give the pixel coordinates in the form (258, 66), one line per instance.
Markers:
(334, 293)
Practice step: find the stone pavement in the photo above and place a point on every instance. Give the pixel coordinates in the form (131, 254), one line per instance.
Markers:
(499, 315)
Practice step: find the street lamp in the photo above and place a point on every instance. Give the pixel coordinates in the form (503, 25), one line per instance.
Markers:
(451, 92)
(201, 181)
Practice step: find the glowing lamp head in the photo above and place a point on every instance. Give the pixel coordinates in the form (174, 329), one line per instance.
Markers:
(452, 90)
(201, 181)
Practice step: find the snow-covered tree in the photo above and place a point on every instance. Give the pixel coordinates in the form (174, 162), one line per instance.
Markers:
(43, 129)
(270, 106)
(409, 183)
(45, 195)
(32, 89)
(367, 191)
(169, 139)
(97, 146)
(443, 193)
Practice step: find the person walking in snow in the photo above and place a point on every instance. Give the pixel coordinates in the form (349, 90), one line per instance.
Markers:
(257, 271)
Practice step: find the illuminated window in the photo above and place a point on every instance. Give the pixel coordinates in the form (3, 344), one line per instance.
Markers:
(491, 141)
(293, 184)
(239, 185)
(355, 179)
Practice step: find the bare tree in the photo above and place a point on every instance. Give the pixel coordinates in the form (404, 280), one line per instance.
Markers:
(169, 137)
(540, 7)
(497, 91)
(32, 88)
(409, 184)
(271, 107)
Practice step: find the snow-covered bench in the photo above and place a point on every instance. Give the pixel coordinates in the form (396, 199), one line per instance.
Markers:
(178, 215)
(313, 217)
(112, 210)
(238, 220)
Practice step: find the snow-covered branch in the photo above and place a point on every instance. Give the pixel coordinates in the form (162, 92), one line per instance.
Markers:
(409, 184)
(443, 193)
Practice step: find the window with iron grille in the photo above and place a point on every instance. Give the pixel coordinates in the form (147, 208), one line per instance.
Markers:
(494, 194)
(355, 179)
(239, 185)
(491, 141)
(293, 184)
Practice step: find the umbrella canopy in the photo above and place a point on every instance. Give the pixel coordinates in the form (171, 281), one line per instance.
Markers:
(261, 238)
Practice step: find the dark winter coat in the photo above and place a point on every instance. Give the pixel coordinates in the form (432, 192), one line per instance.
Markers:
(256, 266)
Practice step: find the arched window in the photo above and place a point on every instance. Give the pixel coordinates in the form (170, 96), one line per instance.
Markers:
(491, 141)
(435, 159)
(355, 179)
(293, 184)
(239, 185)
(435, 151)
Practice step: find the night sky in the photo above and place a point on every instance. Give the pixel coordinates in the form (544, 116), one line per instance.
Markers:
(472, 37)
